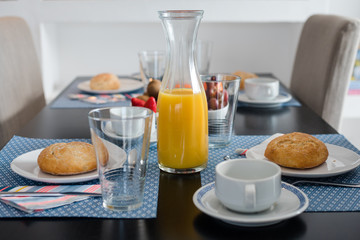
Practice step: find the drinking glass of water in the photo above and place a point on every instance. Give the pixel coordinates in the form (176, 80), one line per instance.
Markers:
(121, 137)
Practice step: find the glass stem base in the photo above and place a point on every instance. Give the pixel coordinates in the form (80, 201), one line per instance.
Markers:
(122, 208)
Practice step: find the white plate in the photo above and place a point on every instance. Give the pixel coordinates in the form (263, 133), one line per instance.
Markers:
(280, 99)
(126, 85)
(26, 166)
(292, 202)
(340, 160)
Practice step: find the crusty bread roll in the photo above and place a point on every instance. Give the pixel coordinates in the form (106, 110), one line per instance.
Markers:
(244, 75)
(105, 81)
(67, 158)
(297, 150)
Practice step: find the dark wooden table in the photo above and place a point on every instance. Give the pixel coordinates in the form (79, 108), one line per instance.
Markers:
(177, 217)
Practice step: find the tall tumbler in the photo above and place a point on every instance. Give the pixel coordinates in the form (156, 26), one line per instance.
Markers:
(121, 137)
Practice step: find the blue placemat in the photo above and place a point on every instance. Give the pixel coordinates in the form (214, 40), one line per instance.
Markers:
(63, 100)
(322, 198)
(292, 103)
(91, 207)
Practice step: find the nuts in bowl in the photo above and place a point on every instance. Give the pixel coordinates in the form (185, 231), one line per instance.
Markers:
(217, 97)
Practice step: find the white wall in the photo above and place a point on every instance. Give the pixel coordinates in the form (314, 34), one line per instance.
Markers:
(87, 37)
(87, 49)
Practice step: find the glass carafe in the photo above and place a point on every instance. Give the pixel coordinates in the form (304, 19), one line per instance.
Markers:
(182, 106)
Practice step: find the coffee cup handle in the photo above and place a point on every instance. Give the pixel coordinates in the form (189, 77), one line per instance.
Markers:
(250, 196)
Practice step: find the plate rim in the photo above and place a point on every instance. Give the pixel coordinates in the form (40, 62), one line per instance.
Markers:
(86, 82)
(55, 179)
(253, 222)
(287, 98)
(303, 174)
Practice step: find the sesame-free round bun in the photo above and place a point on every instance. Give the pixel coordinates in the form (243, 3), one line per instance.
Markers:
(105, 81)
(244, 75)
(67, 158)
(297, 150)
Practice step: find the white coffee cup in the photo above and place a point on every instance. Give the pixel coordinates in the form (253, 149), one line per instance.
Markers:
(261, 88)
(248, 185)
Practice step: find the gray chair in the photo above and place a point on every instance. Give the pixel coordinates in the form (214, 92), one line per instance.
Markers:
(323, 64)
(21, 90)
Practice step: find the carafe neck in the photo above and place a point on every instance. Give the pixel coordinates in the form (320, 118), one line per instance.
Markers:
(181, 29)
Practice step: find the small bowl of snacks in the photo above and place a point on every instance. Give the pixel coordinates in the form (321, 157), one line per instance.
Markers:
(218, 113)
(217, 98)
(221, 94)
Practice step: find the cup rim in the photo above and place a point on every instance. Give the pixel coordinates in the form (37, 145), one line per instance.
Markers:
(91, 113)
(207, 77)
(278, 170)
(268, 80)
(180, 14)
(152, 52)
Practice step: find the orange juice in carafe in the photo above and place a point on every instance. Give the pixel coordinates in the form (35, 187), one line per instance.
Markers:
(182, 130)
(182, 106)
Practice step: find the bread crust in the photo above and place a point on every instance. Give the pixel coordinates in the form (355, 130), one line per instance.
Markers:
(67, 158)
(244, 75)
(297, 150)
(105, 81)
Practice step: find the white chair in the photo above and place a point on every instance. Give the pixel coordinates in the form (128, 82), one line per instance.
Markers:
(323, 64)
(21, 90)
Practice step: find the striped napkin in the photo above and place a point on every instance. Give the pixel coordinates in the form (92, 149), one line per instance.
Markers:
(34, 204)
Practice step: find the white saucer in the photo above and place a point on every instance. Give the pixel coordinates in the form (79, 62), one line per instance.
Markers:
(26, 166)
(280, 99)
(340, 160)
(292, 202)
(126, 85)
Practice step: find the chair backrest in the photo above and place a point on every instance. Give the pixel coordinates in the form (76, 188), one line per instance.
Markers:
(323, 64)
(21, 90)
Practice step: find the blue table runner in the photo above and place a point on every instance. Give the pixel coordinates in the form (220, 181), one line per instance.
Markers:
(91, 207)
(63, 100)
(322, 198)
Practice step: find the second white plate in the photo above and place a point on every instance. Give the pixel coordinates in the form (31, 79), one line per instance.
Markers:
(26, 166)
(126, 85)
(340, 161)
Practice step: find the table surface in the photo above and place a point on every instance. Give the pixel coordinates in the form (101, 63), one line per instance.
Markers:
(177, 217)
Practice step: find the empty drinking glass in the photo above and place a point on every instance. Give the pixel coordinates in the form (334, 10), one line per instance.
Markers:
(121, 137)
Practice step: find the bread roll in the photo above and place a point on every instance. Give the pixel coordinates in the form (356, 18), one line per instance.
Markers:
(244, 75)
(105, 81)
(67, 158)
(297, 150)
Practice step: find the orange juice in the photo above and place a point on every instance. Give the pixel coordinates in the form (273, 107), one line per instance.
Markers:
(182, 129)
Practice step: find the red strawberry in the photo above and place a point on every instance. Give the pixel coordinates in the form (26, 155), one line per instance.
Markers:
(151, 104)
(137, 102)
